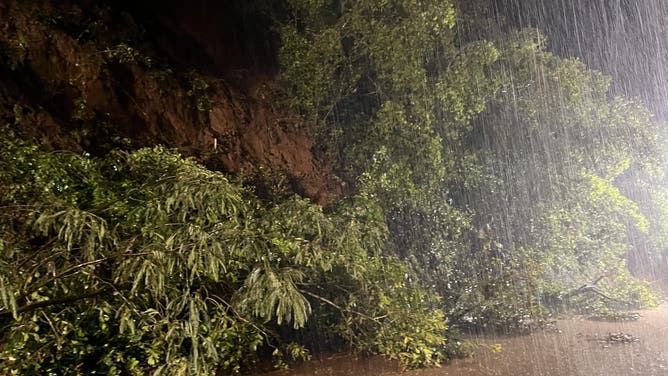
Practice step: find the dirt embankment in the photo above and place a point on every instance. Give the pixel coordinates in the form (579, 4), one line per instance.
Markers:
(69, 79)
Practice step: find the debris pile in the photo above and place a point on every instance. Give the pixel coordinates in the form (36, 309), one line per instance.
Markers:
(620, 337)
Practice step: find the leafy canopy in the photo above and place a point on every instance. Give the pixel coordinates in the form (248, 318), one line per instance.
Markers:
(176, 269)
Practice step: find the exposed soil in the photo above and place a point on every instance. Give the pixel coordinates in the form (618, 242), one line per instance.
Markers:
(57, 80)
(573, 347)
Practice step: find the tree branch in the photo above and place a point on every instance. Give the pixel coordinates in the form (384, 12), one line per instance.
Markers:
(325, 300)
(59, 275)
(50, 302)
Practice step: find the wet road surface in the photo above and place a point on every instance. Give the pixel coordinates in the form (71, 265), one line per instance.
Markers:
(573, 347)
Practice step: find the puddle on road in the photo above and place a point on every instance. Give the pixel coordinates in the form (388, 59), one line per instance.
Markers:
(578, 348)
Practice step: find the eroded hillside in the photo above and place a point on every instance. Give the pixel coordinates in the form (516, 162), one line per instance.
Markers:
(76, 76)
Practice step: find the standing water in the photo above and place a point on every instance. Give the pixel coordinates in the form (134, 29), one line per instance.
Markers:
(573, 346)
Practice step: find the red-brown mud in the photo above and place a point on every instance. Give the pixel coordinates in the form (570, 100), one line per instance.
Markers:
(574, 347)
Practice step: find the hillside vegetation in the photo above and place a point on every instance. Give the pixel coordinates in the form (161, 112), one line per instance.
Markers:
(185, 198)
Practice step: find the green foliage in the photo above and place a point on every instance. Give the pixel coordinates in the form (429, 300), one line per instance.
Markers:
(199, 91)
(556, 147)
(415, 346)
(393, 300)
(122, 53)
(180, 271)
(389, 80)
(497, 163)
(351, 40)
(498, 175)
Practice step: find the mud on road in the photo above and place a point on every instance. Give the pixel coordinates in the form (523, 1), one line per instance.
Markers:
(573, 347)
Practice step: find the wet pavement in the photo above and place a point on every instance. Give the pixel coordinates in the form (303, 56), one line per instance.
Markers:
(572, 347)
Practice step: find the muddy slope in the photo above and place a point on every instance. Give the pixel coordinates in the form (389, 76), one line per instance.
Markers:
(90, 76)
